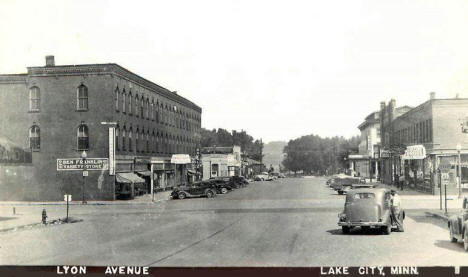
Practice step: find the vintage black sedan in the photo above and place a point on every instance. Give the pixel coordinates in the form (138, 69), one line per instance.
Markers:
(369, 208)
(223, 185)
(197, 189)
(458, 226)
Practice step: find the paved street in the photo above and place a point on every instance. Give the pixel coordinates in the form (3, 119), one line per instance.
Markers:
(286, 222)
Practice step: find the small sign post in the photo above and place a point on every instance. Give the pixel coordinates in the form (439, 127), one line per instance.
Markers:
(68, 198)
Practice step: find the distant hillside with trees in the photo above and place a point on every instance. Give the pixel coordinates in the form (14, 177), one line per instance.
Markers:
(316, 155)
(253, 148)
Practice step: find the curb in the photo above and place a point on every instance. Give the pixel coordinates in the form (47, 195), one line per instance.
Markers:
(81, 204)
(440, 216)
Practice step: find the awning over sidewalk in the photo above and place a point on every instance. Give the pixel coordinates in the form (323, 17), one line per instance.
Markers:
(128, 178)
(145, 173)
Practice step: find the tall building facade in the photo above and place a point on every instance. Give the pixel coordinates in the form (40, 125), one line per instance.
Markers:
(424, 138)
(59, 112)
(364, 163)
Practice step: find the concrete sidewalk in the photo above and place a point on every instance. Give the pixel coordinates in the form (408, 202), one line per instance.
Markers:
(144, 199)
(23, 215)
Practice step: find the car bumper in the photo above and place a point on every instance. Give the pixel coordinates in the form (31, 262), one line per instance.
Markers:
(358, 224)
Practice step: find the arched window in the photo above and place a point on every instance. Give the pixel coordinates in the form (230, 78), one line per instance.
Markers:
(147, 109)
(124, 141)
(142, 107)
(82, 137)
(35, 137)
(130, 146)
(82, 98)
(117, 92)
(137, 140)
(34, 99)
(124, 101)
(147, 142)
(130, 102)
(137, 105)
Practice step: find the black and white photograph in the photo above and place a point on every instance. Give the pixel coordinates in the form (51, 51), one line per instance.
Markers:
(137, 135)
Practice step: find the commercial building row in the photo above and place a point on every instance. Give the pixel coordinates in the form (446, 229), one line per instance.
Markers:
(79, 114)
(424, 147)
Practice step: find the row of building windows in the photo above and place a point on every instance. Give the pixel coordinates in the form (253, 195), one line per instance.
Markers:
(160, 112)
(82, 137)
(420, 132)
(163, 113)
(156, 142)
(81, 98)
(144, 142)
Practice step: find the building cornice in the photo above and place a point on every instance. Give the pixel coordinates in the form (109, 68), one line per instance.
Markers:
(13, 78)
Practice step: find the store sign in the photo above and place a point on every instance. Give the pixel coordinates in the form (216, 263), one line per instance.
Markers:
(385, 153)
(111, 150)
(415, 152)
(180, 159)
(82, 164)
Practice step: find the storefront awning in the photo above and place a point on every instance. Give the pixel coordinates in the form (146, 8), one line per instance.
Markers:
(189, 171)
(146, 173)
(358, 157)
(128, 178)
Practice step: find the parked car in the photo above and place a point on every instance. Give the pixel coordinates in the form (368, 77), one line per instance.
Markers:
(261, 177)
(197, 189)
(358, 186)
(341, 184)
(240, 181)
(368, 208)
(458, 226)
(223, 185)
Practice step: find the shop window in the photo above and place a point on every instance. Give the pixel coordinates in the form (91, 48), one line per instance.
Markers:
(82, 137)
(35, 137)
(82, 98)
(34, 99)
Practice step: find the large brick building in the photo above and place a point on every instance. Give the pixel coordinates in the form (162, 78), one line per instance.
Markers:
(432, 129)
(60, 111)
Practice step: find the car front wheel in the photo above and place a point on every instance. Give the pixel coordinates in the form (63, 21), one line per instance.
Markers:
(209, 194)
(224, 190)
(181, 195)
(345, 229)
(452, 237)
(387, 229)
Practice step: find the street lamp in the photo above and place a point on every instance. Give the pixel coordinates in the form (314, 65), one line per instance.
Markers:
(84, 155)
(459, 169)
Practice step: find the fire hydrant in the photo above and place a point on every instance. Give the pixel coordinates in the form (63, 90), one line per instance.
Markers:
(44, 216)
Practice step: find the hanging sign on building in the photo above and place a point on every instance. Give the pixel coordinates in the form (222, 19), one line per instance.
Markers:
(180, 159)
(414, 152)
(385, 153)
(111, 150)
(83, 164)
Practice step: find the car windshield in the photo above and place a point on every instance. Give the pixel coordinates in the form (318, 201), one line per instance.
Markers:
(364, 195)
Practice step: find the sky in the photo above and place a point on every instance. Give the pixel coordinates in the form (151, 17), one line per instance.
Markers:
(276, 69)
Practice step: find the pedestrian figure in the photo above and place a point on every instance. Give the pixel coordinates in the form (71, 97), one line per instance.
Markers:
(395, 208)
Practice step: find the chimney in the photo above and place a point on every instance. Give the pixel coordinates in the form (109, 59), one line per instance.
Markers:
(49, 60)
(382, 105)
(432, 95)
